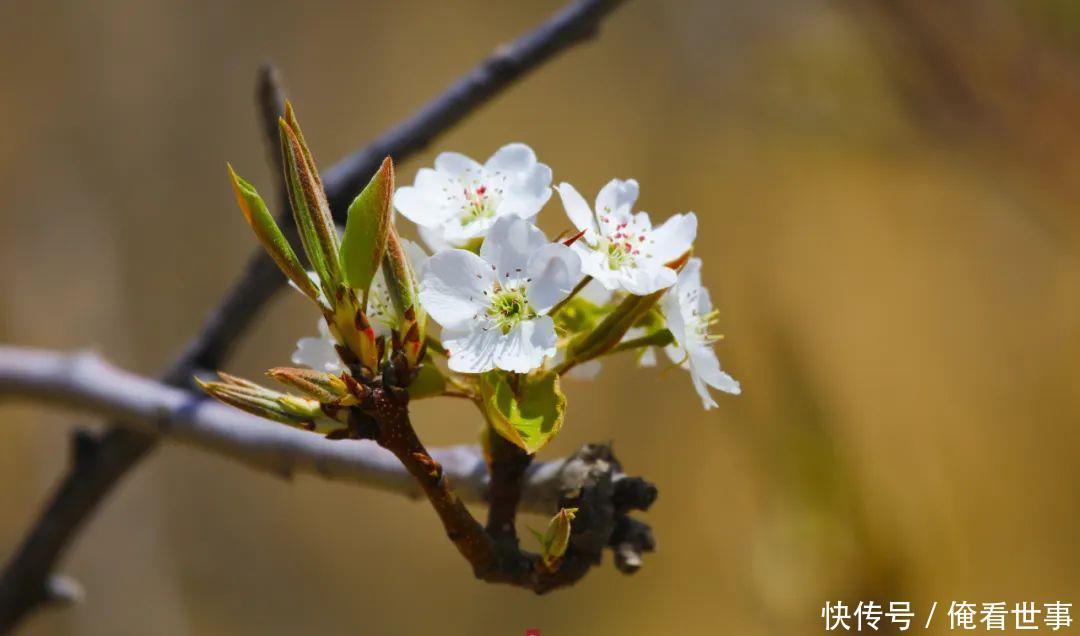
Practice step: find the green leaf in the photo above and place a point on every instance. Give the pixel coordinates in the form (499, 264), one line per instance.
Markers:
(556, 539)
(310, 208)
(367, 228)
(529, 416)
(269, 234)
(429, 381)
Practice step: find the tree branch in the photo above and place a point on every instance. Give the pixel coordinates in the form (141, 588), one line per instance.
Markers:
(100, 461)
(86, 382)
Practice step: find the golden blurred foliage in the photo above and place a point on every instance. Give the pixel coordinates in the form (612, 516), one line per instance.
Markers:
(888, 196)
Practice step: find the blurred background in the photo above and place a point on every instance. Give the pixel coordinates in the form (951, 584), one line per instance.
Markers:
(888, 195)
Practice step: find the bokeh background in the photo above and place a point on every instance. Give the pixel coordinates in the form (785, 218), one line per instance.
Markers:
(889, 198)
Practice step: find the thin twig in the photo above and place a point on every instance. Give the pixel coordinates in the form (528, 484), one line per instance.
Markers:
(100, 462)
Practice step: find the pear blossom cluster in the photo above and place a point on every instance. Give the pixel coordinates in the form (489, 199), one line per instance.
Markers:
(498, 286)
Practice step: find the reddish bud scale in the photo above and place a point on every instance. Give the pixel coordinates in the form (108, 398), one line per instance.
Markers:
(574, 239)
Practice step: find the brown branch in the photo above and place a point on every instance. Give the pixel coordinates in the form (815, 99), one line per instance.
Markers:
(586, 481)
(508, 466)
(99, 462)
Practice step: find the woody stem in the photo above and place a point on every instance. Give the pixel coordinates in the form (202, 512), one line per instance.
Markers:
(396, 434)
(507, 467)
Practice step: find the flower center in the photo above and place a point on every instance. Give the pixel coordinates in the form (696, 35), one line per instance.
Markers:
(509, 306)
(699, 326)
(479, 204)
(623, 245)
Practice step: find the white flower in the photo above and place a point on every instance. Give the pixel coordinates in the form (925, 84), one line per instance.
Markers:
(688, 313)
(380, 309)
(621, 249)
(493, 306)
(318, 352)
(461, 200)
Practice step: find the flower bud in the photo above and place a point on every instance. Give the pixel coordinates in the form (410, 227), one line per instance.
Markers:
(556, 539)
(327, 388)
(267, 403)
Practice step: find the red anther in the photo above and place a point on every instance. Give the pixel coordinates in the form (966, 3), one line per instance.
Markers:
(481, 190)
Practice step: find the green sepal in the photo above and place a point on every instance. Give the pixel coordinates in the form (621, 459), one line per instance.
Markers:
(528, 415)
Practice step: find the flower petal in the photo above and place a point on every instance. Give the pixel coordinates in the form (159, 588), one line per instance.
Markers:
(595, 264)
(458, 166)
(674, 238)
(509, 244)
(318, 352)
(707, 399)
(576, 208)
(671, 307)
(527, 193)
(554, 269)
(515, 157)
(453, 284)
(617, 197)
(526, 345)
(641, 281)
(433, 238)
(471, 350)
(416, 254)
(705, 364)
(431, 200)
